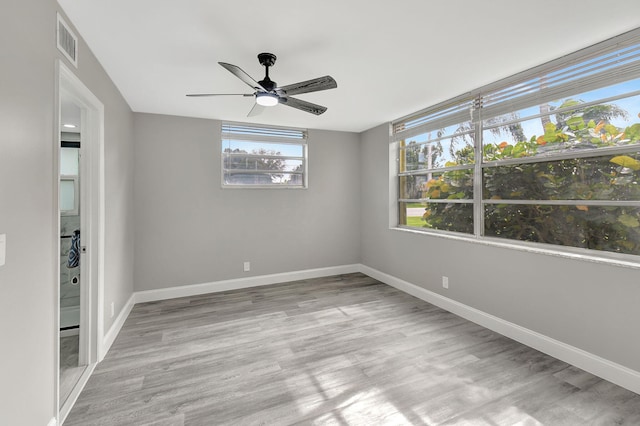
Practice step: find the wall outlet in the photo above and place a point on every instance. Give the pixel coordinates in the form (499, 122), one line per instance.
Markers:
(445, 282)
(247, 266)
(113, 309)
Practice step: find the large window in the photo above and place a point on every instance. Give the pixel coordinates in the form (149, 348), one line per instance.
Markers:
(265, 157)
(548, 156)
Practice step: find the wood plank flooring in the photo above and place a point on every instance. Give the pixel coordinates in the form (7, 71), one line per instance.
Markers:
(341, 350)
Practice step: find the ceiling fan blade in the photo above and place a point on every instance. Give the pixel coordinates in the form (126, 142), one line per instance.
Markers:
(219, 94)
(238, 72)
(303, 105)
(256, 110)
(317, 84)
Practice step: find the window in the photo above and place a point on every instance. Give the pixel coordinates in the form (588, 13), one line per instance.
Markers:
(263, 157)
(551, 155)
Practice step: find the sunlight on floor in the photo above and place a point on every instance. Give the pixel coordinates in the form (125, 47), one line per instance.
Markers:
(330, 385)
(370, 405)
(511, 416)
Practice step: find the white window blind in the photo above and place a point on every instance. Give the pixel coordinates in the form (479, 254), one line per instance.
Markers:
(583, 71)
(597, 66)
(455, 111)
(265, 134)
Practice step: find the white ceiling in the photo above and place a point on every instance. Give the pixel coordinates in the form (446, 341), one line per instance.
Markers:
(389, 58)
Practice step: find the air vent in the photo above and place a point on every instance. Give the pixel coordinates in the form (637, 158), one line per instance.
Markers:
(67, 41)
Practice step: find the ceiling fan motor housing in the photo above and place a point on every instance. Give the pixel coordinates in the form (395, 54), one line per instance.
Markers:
(268, 84)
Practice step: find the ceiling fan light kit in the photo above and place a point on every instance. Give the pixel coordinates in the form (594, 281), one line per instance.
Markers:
(266, 99)
(267, 92)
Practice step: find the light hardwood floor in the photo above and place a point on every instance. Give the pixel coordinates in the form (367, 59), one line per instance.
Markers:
(342, 350)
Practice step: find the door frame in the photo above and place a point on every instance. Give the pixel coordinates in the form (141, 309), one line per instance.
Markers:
(92, 205)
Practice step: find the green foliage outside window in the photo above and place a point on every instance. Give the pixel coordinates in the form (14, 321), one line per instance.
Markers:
(564, 182)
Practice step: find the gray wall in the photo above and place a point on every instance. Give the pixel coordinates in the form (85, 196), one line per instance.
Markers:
(27, 181)
(188, 230)
(591, 306)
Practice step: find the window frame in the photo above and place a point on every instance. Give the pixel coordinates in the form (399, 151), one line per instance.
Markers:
(475, 98)
(266, 136)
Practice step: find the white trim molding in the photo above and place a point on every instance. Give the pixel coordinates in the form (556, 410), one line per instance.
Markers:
(240, 283)
(52, 422)
(608, 370)
(115, 328)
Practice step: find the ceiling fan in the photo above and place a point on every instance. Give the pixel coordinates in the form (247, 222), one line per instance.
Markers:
(267, 93)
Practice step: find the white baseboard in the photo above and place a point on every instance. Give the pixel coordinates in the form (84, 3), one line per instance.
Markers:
(52, 422)
(608, 370)
(240, 283)
(111, 335)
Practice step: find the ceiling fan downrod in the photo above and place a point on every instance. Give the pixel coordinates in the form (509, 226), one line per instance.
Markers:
(267, 60)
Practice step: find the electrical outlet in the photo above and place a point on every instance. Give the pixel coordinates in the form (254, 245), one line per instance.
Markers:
(113, 309)
(445, 282)
(247, 266)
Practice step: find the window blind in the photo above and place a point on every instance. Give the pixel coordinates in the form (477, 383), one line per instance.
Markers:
(455, 111)
(604, 67)
(231, 131)
(610, 62)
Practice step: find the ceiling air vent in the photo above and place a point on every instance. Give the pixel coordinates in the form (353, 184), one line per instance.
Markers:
(67, 41)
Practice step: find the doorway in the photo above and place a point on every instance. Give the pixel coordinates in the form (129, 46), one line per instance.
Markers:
(80, 214)
(72, 362)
